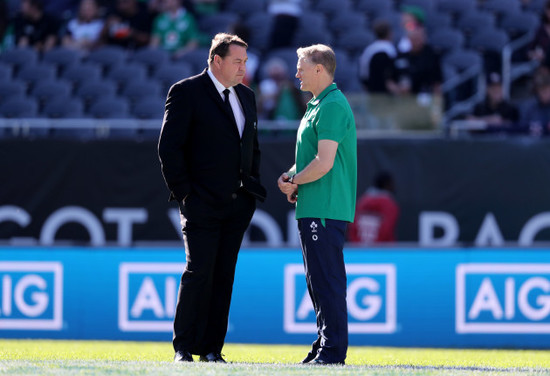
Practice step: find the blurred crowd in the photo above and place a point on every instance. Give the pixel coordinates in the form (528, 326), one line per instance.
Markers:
(395, 59)
(171, 25)
(88, 24)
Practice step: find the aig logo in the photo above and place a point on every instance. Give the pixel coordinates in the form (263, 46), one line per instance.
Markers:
(371, 299)
(147, 296)
(31, 295)
(503, 298)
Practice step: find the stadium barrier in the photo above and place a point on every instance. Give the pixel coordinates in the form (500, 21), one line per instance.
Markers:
(396, 297)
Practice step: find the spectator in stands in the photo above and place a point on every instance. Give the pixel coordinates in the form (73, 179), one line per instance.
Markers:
(128, 24)
(84, 31)
(287, 14)
(279, 98)
(377, 213)
(35, 28)
(412, 18)
(539, 48)
(418, 65)
(377, 63)
(535, 113)
(495, 111)
(175, 29)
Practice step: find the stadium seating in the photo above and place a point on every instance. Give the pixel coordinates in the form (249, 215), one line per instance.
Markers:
(354, 42)
(218, 22)
(169, 74)
(456, 8)
(462, 59)
(259, 24)
(62, 57)
(5, 72)
(332, 8)
(456, 29)
(373, 8)
(196, 60)
(126, 73)
(11, 89)
(92, 90)
(64, 108)
(444, 40)
(33, 73)
(149, 108)
(474, 21)
(520, 23)
(138, 89)
(19, 107)
(108, 57)
(307, 37)
(489, 39)
(17, 57)
(79, 73)
(501, 7)
(436, 20)
(536, 6)
(48, 89)
(346, 21)
(244, 8)
(150, 58)
(110, 108)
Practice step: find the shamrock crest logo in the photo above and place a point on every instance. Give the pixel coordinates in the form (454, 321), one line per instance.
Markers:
(313, 226)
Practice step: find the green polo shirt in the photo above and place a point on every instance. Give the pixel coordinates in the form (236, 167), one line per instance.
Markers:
(328, 117)
(175, 33)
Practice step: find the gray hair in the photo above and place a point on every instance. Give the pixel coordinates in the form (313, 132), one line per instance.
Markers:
(319, 54)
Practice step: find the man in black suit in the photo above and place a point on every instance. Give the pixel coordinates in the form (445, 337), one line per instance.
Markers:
(210, 160)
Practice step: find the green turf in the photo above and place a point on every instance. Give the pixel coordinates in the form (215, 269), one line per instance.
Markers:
(40, 357)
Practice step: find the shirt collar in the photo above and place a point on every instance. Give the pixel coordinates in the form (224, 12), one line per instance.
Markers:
(315, 101)
(219, 86)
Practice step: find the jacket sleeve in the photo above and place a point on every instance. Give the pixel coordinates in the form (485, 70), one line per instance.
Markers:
(173, 141)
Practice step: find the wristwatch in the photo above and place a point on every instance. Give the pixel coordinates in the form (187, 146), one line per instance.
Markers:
(291, 179)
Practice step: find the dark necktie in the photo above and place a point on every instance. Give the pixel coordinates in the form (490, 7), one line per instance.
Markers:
(226, 100)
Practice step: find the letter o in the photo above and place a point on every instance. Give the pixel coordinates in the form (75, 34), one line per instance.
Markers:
(72, 214)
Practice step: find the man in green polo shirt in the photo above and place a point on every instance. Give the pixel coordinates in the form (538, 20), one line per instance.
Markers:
(323, 185)
(175, 29)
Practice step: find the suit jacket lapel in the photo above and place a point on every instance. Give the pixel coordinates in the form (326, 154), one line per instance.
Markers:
(248, 116)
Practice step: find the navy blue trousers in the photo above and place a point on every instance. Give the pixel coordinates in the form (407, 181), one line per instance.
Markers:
(322, 249)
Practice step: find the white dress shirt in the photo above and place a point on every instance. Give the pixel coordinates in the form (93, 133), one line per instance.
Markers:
(233, 101)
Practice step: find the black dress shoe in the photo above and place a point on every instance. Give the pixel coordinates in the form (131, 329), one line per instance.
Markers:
(315, 346)
(183, 356)
(212, 357)
(310, 356)
(320, 362)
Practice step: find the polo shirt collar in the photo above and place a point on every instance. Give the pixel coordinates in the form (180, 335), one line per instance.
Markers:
(324, 93)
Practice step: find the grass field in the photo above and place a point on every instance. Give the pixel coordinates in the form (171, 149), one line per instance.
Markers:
(40, 357)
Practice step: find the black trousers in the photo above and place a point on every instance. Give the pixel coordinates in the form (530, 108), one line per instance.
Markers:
(322, 250)
(212, 237)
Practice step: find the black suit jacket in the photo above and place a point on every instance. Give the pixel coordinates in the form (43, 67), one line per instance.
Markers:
(200, 149)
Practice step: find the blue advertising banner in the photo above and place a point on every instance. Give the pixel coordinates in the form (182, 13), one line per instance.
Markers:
(396, 297)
